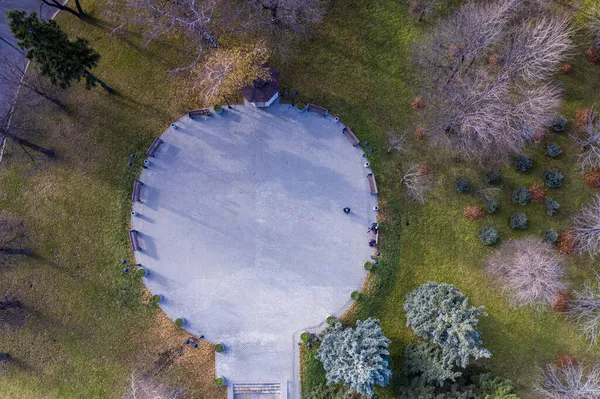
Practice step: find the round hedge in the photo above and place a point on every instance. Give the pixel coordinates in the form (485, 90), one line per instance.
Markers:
(552, 206)
(355, 295)
(489, 236)
(559, 124)
(300, 106)
(492, 205)
(553, 150)
(304, 336)
(521, 195)
(331, 320)
(218, 108)
(220, 381)
(462, 185)
(219, 347)
(493, 177)
(141, 272)
(523, 163)
(156, 299)
(368, 265)
(179, 322)
(518, 221)
(550, 236)
(553, 178)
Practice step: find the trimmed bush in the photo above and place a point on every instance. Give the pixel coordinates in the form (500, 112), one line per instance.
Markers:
(355, 295)
(550, 236)
(558, 124)
(220, 381)
(217, 108)
(141, 272)
(521, 195)
(300, 106)
(368, 266)
(304, 336)
(156, 299)
(552, 206)
(219, 347)
(493, 177)
(518, 221)
(489, 236)
(331, 320)
(592, 178)
(553, 178)
(179, 322)
(492, 205)
(473, 212)
(417, 103)
(420, 133)
(553, 150)
(523, 163)
(560, 301)
(462, 185)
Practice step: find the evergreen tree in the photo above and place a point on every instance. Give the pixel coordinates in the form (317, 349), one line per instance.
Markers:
(60, 59)
(441, 314)
(357, 357)
(426, 360)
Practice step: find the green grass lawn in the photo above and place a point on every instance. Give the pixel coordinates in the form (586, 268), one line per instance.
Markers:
(358, 65)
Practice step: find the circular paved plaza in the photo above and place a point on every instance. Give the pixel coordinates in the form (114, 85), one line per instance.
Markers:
(242, 230)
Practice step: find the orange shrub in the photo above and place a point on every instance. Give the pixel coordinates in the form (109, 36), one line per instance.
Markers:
(564, 359)
(566, 69)
(424, 170)
(538, 193)
(539, 136)
(414, 7)
(417, 103)
(560, 301)
(593, 55)
(494, 59)
(420, 133)
(592, 178)
(473, 212)
(582, 118)
(565, 242)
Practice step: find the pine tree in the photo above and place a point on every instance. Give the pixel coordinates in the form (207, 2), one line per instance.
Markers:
(441, 314)
(60, 59)
(426, 360)
(357, 357)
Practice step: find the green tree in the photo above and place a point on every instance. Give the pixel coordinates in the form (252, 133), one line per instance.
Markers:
(357, 357)
(60, 59)
(425, 359)
(441, 314)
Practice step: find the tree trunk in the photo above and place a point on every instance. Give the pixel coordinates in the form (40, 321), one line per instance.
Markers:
(48, 152)
(56, 4)
(106, 87)
(10, 305)
(79, 8)
(16, 251)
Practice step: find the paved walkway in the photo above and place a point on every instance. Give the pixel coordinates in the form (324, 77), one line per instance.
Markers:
(242, 230)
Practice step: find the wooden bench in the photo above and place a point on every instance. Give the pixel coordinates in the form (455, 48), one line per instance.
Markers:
(204, 113)
(154, 147)
(137, 187)
(316, 109)
(135, 243)
(372, 183)
(351, 136)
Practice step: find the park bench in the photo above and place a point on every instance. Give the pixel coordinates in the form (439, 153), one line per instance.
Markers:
(204, 112)
(135, 243)
(351, 136)
(372, 183)
(154, 147)
(316, 109)
(137, 187)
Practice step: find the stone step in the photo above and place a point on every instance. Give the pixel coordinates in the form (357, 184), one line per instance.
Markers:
(256, 388)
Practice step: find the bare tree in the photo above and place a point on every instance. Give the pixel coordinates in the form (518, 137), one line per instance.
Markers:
(586, 228)
(18, 132)
(13, 240)
(584, 309)
(530, 271)
(60, 5)
(487, 110)
(489, 193)
(589, 144)
(416, 183)
(422, 7)
(292, 15)
(15, 75)
(150, 389)
(396, 141)
(572, 381)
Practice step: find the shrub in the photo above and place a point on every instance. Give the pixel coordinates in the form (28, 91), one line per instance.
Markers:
(425, 359)
(583, 118)
(553, 178)
(417, 103)
(553, 150)
(529, 271)
(368, 265)
(304, 336)
(559, 124)
(566, 242)
(538, 193)
(560, 301)
(220, 381)
(217, 108)
(489, 236)
(567, 69)
(300, 106)
(518, 221)
(156, 299)
(355, 295)
(493, 177)
(592, 178)
(141, 272)
(357, 357)
(179, 322)
(492, 205)
(462, 185)
(441, 314)
(473, 212)
(329, 392)
(219, 348)
(420, 133)
(424, 170)
(331, 320)
(539, 136)
(584, 309)
(593, 55)
(550, 236)
(521, 195)
(564, 359)
(552, 206)
(523, 163)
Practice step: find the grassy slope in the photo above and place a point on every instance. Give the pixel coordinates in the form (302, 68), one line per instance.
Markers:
(89, 325)
(358, 65)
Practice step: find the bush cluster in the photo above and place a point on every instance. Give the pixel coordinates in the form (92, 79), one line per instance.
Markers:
(518, 221)
(521, 195)
(553, 178)
(552, 206)
(559, 124)
(462, 185)
(492, 205)
(553, 150)
(489, 236)
(523, 163)
(493, 177)
(550, 236)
